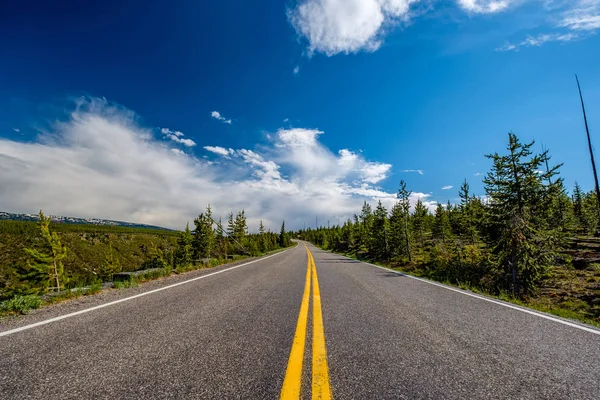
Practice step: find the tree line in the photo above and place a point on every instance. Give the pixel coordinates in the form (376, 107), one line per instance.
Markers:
(505, 241)
(39, 267)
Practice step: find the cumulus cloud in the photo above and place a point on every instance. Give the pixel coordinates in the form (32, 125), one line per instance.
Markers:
(346, 26)
(102, 163)
(217, 115)
(349, 26)
(447, 187)
(177, 137)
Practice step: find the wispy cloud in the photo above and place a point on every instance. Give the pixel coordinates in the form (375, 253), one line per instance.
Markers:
(418, 171)
(536, 41)
(566, 21)
(107, 165)
(485, 6)
(447, 187)
(296, 69)
(217, 115)
(17, 130)
(177, 137)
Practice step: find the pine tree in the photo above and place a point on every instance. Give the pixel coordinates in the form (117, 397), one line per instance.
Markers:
(441, 224)
(366, 220)
(204, 235)
(283, 239)
(230, 225)
(240, 229)
(419, 222)
(578, 206)
(183, 254)
(110, 266)
(262, 238)
(467, 218)
(46, 267)
(379, 241)
(517, 192)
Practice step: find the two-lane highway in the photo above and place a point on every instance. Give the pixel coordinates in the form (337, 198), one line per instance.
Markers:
(302, 323)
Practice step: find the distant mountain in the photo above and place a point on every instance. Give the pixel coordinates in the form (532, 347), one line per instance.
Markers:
(74, 220)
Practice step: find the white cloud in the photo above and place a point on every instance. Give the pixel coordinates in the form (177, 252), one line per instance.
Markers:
(346, 26)
(177, 137)
(583, 16)
(102, 163)
(286, 120)
(217, 115)
(537, 41)
(447, 187)
(566, 21)
(418, 171)
(485, 6)
(219, 150)
(17, 130)
(296, 69)
(478, 174)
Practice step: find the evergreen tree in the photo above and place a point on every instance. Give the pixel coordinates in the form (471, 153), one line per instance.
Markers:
(46, 268)
(204, 235)
(379, 242)
(110, 266)
(366, 220)
(441, 224)
(183, 254)
(419, 222)
(230, 225)
(578, 206)
(517, 192)
(283, 238)
(467, 218)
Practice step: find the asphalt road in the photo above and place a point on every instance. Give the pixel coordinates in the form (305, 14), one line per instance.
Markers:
(238, 334)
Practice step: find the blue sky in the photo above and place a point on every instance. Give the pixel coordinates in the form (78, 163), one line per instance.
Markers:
(323, 103)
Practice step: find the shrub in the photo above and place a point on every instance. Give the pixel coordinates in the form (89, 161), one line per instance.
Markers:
(21, 304)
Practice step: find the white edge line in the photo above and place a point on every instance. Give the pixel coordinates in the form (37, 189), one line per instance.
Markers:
(560, 321)
(47, 321)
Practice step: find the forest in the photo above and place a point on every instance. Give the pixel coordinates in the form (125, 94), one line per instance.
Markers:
(527, 239)
(41, 259)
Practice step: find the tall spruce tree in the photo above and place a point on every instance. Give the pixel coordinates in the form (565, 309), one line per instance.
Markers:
(379, 242)
(204, 235)
(517, 193)
(183, 254)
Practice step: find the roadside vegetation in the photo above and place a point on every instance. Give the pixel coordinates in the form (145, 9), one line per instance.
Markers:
(525, 241)
(42, 263)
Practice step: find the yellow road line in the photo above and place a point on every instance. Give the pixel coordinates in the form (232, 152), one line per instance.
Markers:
(293, 373)
(320, 373)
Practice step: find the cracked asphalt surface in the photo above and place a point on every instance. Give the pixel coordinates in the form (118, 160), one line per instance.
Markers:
(228, 336)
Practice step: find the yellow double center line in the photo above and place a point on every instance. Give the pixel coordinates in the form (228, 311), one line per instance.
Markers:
(320, 373)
